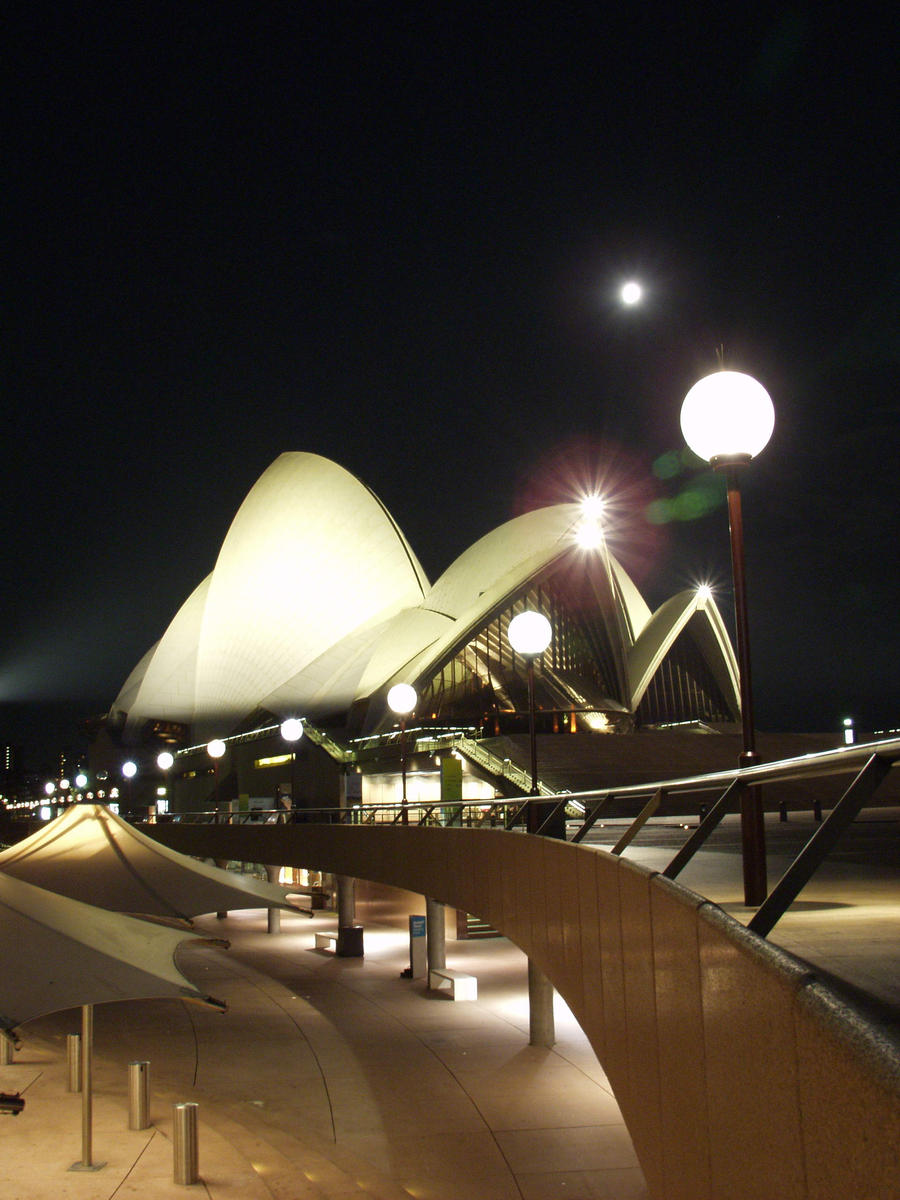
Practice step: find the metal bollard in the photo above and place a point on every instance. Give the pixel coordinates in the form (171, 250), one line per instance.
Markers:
(73, 1058)
(6, 1050)
(138, 1095)
(185, 1143)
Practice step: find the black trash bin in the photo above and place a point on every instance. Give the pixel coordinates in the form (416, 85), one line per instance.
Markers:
(350, 941)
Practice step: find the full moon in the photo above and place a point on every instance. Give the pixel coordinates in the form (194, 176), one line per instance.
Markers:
(631, 292)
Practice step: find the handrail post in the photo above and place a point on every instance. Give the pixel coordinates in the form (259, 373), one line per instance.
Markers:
(819, 845)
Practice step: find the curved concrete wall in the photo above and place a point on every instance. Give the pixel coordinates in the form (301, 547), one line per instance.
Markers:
(739, 1075)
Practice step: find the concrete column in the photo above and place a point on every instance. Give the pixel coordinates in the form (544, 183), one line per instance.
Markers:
(435, 933)
(350, 935)
(274, 914)
(346, 899)
(541, 1026)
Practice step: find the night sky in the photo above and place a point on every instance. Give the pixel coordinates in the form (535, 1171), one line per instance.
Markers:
(393, 234)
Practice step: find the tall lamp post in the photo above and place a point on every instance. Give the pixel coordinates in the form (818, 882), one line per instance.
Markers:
(215, 749)
(402, 700)
(727, 419)
(165, 760)
(292, 732)
(129, 770)
(529, 635)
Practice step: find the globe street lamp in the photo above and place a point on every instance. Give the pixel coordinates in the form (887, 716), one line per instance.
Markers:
(165, 761)
(727, 419)
(215, 749)
(129, 770)
(402, 700)
(529, 635)
(292, 732)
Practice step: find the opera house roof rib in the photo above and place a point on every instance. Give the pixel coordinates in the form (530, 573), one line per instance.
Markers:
(317, 605)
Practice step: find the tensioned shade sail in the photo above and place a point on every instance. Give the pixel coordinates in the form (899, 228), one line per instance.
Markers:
(58, 953)
(89, 853)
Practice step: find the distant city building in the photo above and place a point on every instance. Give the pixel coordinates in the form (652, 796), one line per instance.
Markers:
(11, 766)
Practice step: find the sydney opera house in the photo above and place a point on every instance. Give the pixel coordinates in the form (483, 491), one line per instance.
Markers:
(317, 606)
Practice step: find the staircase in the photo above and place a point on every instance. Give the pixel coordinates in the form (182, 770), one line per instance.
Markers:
(468, 926)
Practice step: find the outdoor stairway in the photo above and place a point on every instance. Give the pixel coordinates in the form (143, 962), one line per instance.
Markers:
(469, 926)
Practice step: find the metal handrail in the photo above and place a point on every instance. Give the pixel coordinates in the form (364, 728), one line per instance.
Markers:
(869, 762)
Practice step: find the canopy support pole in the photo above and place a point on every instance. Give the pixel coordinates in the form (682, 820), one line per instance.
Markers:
(87, 1064)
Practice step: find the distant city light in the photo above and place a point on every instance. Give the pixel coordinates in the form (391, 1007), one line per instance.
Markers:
(45, 812)
(216, 748)
(129, 769)
(164, 760)
(80, 779)
(49, 788)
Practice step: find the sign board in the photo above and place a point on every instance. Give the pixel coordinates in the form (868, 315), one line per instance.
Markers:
(418, 953)
(451, 779)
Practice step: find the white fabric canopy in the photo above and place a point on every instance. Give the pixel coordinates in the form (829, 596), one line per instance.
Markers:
(90, 854)
(58, 953)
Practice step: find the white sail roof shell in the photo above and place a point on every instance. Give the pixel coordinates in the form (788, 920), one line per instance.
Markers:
(317, 601)
(311, 558)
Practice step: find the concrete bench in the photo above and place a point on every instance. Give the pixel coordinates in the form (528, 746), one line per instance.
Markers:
(461, 985)
(326, 941)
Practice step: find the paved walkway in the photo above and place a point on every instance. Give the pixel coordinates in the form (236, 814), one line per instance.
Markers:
(327, 1078)
(335, 1078)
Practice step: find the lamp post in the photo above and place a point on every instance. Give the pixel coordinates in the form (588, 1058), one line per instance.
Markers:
(129, 770)
(292, 732)
(165, 761)
(727, 419)
(402, 700)
(215, 749)
(529, 635)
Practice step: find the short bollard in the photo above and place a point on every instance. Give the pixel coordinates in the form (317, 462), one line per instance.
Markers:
(73, 1060)
(185, 1143)
(138, 1095)
(6, 1051)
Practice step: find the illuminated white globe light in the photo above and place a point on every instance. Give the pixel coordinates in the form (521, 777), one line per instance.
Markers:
(49, 788)
(402, 699)
(80, 779)
(292, 729)
(631, 292)
(215, 748)
(164, 760)
(129, 769)
(529, 634)
(727, 415)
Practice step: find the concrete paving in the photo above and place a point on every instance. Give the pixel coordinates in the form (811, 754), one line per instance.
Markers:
(330, 1078)
(327, 1078)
